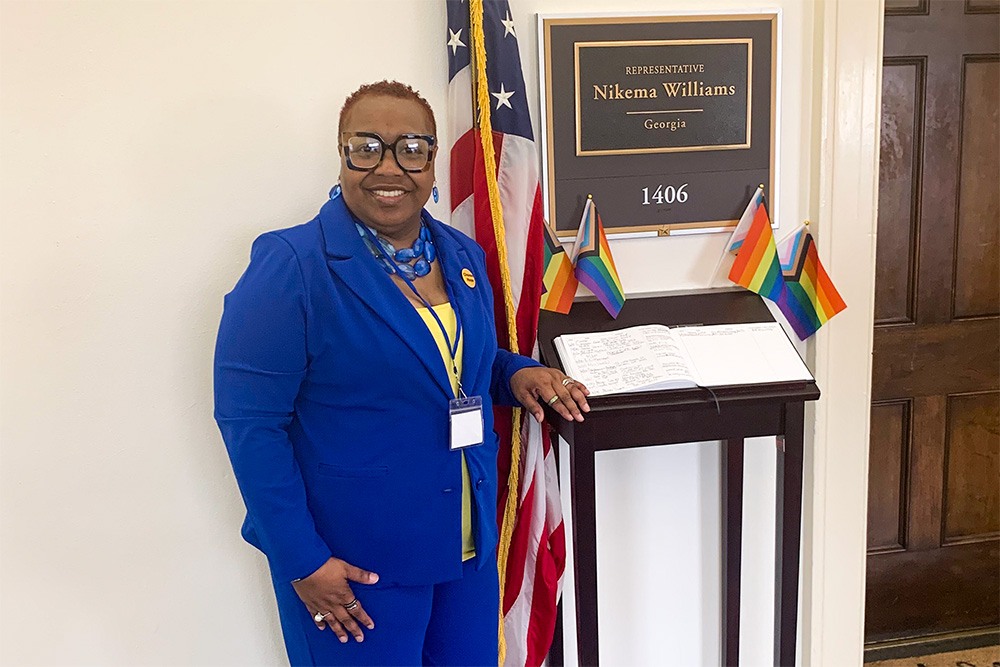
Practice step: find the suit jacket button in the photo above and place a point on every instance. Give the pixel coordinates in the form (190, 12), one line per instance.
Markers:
(479, 482)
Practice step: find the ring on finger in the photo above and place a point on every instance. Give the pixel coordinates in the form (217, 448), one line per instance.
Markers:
(552, 400)
(319, 616)
(352, 605)
(567, 381)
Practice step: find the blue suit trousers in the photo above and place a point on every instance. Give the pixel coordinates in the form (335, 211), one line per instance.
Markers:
(450, 624)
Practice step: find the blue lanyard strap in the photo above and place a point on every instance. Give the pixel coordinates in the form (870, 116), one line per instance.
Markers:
(452, 348)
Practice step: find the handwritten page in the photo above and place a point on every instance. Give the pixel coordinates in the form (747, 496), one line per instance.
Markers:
(673, 357)
(654, 357)
(614, 362)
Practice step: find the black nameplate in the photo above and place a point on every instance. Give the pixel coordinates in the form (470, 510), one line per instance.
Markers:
(668, 121)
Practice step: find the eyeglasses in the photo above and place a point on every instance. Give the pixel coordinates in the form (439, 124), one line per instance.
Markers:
(364, 151)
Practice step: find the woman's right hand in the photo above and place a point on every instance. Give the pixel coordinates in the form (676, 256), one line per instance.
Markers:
(326, 592)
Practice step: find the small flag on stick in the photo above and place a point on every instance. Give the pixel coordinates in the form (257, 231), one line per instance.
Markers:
(811, 298)
(757, 267)
(595, 267)
(559, 280)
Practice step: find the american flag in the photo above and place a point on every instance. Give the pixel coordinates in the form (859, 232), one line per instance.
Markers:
(538, 551)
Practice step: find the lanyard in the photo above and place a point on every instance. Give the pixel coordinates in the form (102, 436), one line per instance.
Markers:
(452, 348)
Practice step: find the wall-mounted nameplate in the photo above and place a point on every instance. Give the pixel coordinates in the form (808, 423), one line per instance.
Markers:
(698, 99)
(668, 121)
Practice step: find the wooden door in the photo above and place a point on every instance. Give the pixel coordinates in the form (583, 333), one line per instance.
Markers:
(934, 472)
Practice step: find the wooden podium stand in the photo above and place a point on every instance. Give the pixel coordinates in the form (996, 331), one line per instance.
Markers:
(677, 416)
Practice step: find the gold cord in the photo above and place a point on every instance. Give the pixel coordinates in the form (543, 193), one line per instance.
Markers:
(486, 138)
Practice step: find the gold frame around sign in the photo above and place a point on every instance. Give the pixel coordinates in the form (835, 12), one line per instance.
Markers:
(661, 229)
(661, 42)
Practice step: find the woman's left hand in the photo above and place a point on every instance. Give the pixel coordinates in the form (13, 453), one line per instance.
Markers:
(538, 384)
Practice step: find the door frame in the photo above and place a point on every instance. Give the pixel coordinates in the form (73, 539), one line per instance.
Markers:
(844, 205)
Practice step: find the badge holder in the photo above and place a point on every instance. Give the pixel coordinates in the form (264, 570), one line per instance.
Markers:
(466, 417)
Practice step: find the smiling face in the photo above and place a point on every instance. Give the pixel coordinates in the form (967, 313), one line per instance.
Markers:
(387, 198)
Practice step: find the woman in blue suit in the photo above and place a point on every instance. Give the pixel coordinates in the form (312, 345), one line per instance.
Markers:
(355, 373)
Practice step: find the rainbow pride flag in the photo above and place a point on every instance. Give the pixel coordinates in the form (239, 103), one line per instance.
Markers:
(595, 267)
(558, 281)
(756, 267)
(811, 298)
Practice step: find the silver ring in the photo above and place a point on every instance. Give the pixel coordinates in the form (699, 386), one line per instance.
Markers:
(566, 381)
(353, 604)
(552, 400)
(319, 617)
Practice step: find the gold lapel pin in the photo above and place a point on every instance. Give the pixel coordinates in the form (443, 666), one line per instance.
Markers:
(469, 279)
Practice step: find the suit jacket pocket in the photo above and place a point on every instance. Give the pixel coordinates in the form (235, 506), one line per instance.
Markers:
(330, 470)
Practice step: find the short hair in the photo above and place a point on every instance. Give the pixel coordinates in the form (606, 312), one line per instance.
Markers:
(389, 89)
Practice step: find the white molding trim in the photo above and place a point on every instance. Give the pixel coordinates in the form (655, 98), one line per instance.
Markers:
(844, 206)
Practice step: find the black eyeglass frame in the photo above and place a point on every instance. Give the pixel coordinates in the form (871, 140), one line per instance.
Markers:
(389, 148)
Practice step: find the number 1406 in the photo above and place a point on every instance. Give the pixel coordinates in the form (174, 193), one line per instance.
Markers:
(665, 195)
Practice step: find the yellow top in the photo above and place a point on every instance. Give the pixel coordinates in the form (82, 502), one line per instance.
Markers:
(447, 315)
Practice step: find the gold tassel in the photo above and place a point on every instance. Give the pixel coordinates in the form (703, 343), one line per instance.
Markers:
(486, 137)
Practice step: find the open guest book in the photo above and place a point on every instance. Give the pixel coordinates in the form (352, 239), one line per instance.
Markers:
(654, 357)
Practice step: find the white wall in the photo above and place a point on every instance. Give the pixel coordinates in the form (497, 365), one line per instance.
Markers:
(143, 145)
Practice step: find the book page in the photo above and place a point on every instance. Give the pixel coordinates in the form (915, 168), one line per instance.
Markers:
(677, 365)
(742, 354)
(614, 362)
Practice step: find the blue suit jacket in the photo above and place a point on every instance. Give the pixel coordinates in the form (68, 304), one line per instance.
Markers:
(332, 399)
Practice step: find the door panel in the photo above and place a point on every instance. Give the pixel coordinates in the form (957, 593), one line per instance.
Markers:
(977, 251)
(971, 503)
(903, 81)
(888, 459)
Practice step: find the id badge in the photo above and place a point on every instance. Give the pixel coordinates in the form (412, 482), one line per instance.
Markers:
(466, 416)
